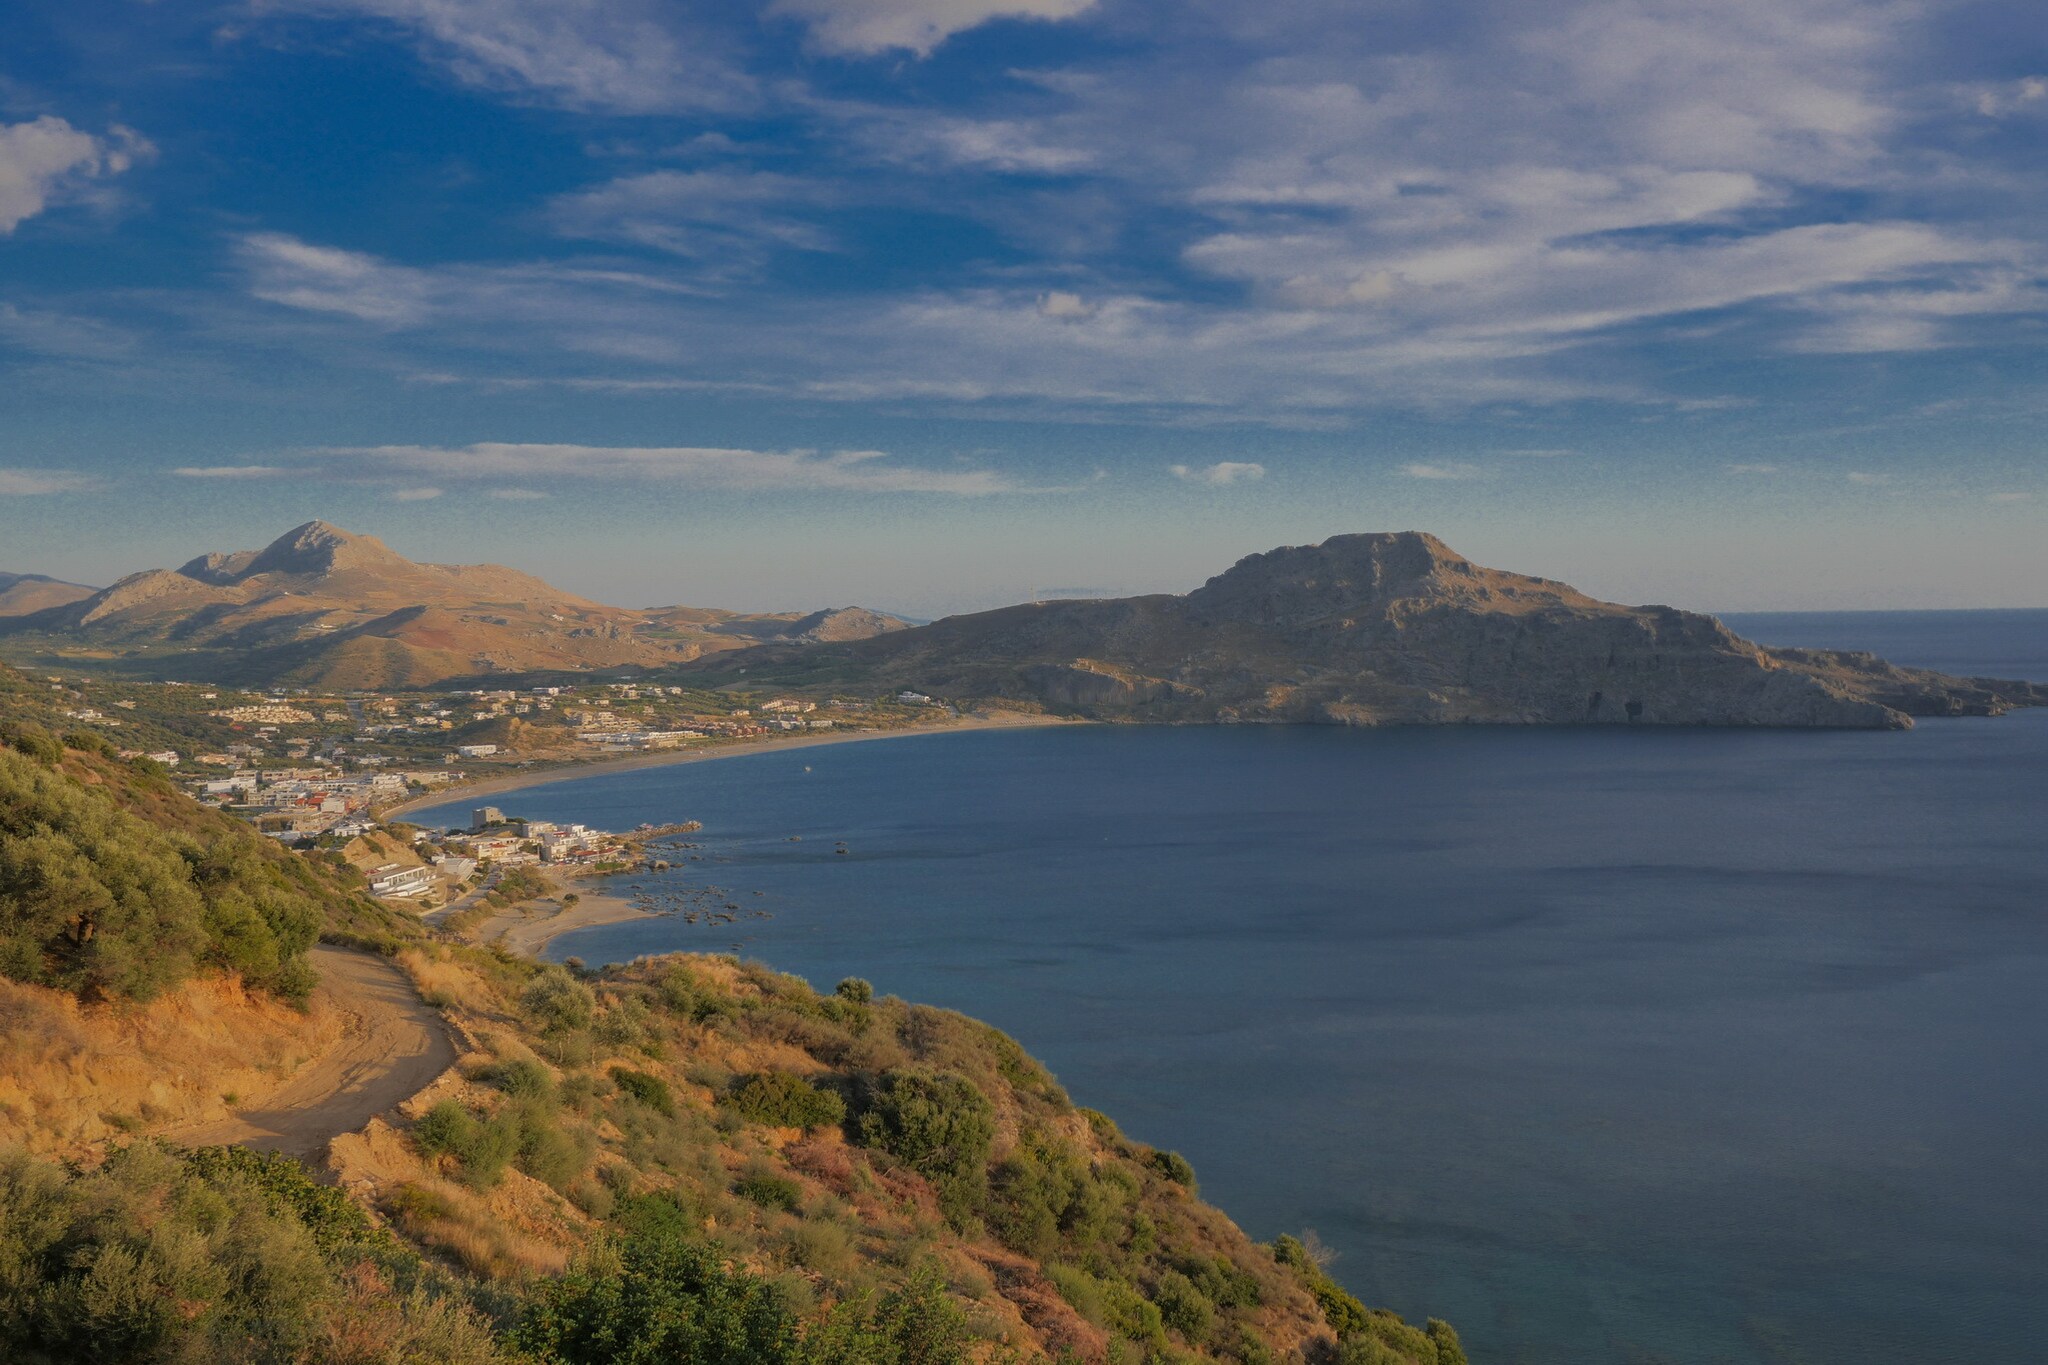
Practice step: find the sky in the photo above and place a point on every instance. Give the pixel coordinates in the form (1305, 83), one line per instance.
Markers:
(933, 305)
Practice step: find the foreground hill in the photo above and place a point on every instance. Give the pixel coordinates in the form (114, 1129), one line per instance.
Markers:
(686, 1159)
(22, 593)
(322, 607)
(1379, 629)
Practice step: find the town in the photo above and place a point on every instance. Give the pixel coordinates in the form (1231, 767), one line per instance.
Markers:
(324, 771)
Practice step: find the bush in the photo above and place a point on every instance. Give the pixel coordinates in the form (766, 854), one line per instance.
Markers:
(939, 1123)
(770, 1191)
(1175, 1167)
(1183, 1307)
(26, 737)
(651, 1091)
(481, 1148)
(520, 1078)
(660, 1300)
(557, 1002)
(780, 1099)
(855, 991)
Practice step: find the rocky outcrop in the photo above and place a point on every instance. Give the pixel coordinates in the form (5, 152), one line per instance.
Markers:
(1388, 629)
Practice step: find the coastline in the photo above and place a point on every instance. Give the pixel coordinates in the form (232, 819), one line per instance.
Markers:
(518, 930)
(540, 776)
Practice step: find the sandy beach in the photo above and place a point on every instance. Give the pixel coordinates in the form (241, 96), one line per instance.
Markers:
(530, 927)
(559, 772)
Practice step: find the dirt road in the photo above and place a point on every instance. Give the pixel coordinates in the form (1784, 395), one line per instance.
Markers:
(395, 1045)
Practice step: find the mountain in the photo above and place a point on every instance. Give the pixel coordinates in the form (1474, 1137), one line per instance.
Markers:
(1379, 629)
(22, 593)
(320, 606)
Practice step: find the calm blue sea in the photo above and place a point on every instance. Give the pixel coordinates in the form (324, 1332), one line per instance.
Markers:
(1612, 1047)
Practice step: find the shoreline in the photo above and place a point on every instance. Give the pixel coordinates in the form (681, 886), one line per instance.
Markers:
(517, 930)
(500, 784)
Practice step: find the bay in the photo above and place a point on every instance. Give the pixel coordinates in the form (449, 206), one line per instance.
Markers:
(1606, 1045)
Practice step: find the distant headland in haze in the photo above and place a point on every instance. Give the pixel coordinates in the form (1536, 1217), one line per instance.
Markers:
(1371, 629)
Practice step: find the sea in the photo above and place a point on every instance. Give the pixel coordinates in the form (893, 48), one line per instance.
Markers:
(1610, 1046)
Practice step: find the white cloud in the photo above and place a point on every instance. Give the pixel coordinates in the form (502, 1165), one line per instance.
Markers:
(1867, 480)
(616, 56)
(46, 159)
(726, 217)
(518, 494)
(1419, 470)
(1541, 453)
(228, 471)
(1752, 469)
(1221, 474)
(29, 483)
(1062, 303)
(2011, 497)
(323, 279)
(872, 26)
(752, 471)
(414, 494)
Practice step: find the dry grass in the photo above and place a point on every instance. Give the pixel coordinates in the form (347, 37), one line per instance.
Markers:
(74, 1075)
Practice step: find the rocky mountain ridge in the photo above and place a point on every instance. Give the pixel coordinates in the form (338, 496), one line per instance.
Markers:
(1393, 628)
(325, 607)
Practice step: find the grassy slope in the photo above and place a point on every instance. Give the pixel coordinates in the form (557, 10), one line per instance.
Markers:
(849, 1179)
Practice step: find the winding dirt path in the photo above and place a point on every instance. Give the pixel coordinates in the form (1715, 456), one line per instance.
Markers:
(394, 1047)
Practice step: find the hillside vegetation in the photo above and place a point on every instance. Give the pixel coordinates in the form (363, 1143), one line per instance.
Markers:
(114, 884)
(686, 1160)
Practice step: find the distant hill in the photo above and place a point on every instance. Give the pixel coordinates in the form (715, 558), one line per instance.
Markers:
(22, 593)
(322, 607)
(1377, 629)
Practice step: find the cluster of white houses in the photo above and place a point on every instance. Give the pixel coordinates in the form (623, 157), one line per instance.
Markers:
(300, 804)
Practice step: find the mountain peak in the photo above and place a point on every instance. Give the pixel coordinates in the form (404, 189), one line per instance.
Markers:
(319, 548)
(1342, 572)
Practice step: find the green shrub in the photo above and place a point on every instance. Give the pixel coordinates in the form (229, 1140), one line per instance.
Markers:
(659, 1301)
(26, 737)
(89, 742)
(914, 1325)
(1449, 1350)
(651, 1091)
(941, 1124)
(781, 1099)
(481, 1148)
(557, 1002)
(770, 1191)
(855, 991)
(1183, 1307)
(520, 1078)
(1175, 1167)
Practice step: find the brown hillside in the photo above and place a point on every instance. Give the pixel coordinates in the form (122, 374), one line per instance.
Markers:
(1379, 629)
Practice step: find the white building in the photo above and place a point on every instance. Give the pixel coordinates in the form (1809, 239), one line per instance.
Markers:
(394, 881)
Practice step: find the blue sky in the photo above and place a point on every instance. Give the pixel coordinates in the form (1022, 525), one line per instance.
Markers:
(930, 304)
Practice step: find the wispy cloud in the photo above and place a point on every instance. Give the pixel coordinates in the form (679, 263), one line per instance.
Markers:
(873, 26)
(1221, 474)
(30, 483)
(614, 56)
(1419, 470)
(1752, 469)
(786, 471)
(1866, 479)
(415, 494)
(229, 471)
